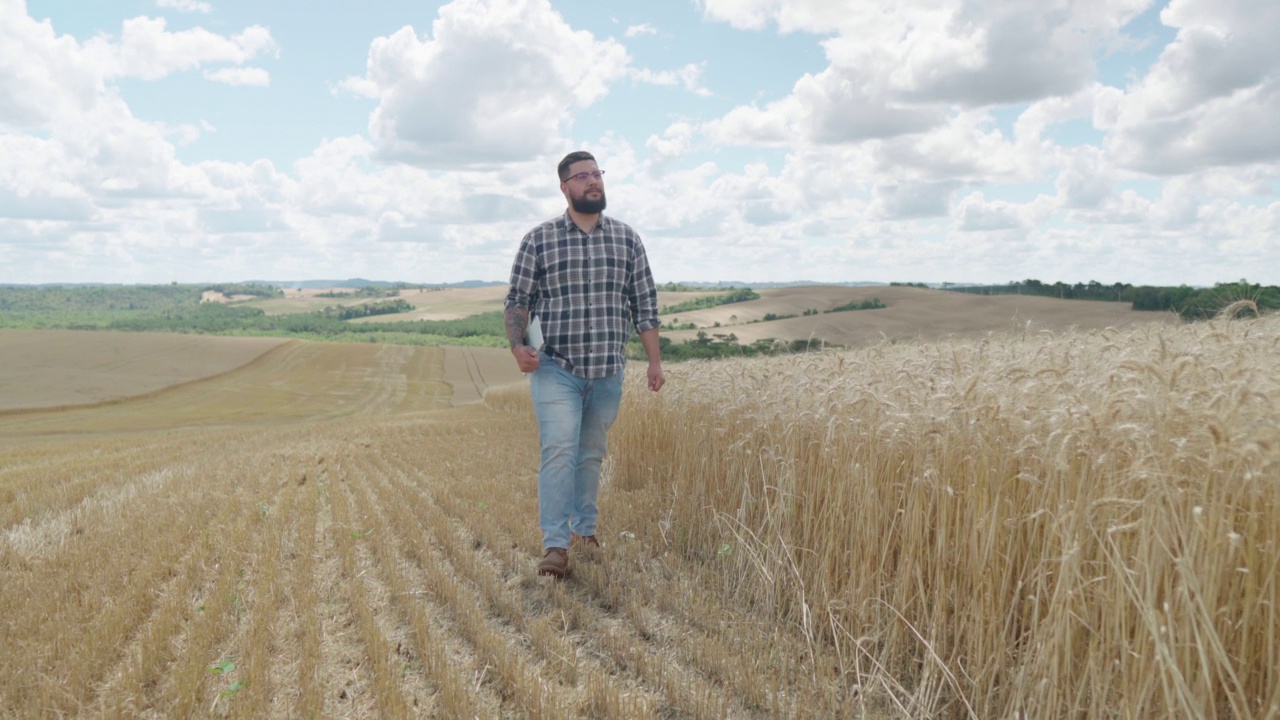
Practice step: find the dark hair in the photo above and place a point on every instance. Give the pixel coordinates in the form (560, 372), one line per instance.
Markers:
(571, 158)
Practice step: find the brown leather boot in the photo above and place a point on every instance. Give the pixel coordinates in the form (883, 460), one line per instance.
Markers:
(587, 545)
(555, 563)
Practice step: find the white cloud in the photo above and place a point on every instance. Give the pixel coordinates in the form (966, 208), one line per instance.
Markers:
(827, 108)
(976, 214)
(1087, 181)
(818, 16)
(1211, 99)
(642, 29)
(895, 201)
(74, 152)
(192, 6)
(771, 126)
(885, 164)
(1124, 207)
(182, 134)
(497, 80)
(687, 76)
(964, 149)
(147, 50)
(362, 87)
(674, 144)
(256, 77)
(970, 52)
(24, 204)
(836, 107)
(755, 196)
(1043, 114)
(902, 69)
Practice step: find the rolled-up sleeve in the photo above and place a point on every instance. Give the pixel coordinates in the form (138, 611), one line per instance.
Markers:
(523, 276)
(644, 293)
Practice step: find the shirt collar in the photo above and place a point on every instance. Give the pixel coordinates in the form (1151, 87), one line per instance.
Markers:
(566, 222)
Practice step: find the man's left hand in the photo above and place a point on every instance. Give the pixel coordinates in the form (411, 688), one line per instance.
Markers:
(656, 381)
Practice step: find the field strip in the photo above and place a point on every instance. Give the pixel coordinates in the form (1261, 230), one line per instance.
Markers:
(646, 632)
(294, 382)
(43, 500)
(473, 370)
(511, 673)
(343, 679)
(599, 620)
(66, 368)
(466, 688)
(257, 641)
(506, 611)
(671, 605)
(103, 587)
(345, 567)
(169, 640)
(385, 695)
(551, 619)
(36, 411)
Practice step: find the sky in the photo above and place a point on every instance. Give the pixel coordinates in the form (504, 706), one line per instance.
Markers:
(963, 141)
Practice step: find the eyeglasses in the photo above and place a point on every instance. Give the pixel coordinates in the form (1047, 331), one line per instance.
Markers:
(584, 176)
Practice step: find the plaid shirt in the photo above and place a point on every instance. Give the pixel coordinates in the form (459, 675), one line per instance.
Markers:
(587, 291)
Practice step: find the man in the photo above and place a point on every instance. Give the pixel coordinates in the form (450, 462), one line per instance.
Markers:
(585, 278)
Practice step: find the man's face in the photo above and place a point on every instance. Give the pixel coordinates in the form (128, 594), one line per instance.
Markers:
(584, 188)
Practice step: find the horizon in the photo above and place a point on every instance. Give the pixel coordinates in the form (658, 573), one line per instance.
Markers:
(357, 282)
(168, 140)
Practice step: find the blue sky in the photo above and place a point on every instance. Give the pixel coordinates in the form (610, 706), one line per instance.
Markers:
(746, 140)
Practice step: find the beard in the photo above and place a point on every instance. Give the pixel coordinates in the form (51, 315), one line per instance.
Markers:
(589, 207)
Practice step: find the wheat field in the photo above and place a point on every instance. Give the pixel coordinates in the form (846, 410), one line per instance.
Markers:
(1081, 524)
(1039, 525)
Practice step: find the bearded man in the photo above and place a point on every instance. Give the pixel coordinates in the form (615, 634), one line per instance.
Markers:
(585, 280)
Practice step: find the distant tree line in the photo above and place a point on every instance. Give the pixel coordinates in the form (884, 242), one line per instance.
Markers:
(368, 291)
(736, 295)
(689, 287)
(97, 299)
(1191, 303)
(177, 308)
(722, 345)
(385, 307)
(251, 289)
(872, 304)
(220, 319)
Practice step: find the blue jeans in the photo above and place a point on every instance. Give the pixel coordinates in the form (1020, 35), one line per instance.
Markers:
(574, 415)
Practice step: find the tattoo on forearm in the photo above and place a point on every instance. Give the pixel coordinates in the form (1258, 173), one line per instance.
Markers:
(517, 320)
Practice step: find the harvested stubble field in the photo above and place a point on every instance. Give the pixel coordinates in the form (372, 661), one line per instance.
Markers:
(1040, 525)
(911, 314)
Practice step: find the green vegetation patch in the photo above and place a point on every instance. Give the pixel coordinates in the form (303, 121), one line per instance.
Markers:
(736, 295)
(872, 304)
(1191, 303)
(723, 345)
(99, 301)
(178, 309)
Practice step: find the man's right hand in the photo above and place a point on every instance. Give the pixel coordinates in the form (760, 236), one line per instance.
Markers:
(526, 358)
